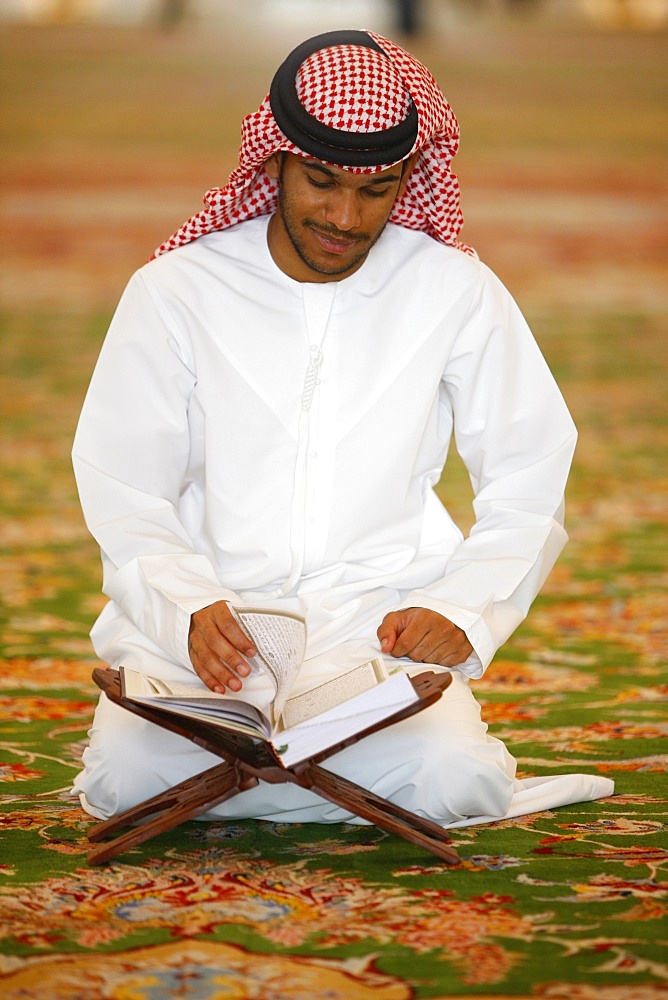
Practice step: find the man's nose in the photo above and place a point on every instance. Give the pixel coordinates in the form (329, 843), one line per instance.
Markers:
(343, 210)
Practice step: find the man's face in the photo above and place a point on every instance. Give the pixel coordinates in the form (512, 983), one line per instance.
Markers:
(328, 218)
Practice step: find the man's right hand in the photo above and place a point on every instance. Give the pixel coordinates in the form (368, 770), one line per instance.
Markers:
(217, 647)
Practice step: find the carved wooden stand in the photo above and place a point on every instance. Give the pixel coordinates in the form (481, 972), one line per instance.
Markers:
(245, 763)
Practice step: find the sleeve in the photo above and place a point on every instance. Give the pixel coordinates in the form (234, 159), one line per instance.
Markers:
(516, 437)
(130, 457)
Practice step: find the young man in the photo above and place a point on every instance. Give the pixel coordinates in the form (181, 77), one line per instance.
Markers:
(270, 412)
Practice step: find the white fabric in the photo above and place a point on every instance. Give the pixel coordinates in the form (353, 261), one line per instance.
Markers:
(251, 438)
(441, 764)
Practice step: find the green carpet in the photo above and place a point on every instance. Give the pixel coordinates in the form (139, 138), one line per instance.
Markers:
(562, 905)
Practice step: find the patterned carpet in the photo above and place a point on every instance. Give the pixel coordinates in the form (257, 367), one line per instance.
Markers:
(562, 905)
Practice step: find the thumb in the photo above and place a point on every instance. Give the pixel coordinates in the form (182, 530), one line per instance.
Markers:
(388, 632)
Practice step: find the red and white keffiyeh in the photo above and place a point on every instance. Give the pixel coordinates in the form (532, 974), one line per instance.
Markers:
(360, 90)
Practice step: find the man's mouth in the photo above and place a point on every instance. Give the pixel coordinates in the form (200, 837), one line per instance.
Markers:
(335, 244)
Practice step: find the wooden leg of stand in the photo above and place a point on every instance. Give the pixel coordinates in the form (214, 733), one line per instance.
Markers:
(184, 801)
(378, 811)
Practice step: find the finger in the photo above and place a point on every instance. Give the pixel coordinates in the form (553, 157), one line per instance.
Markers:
(215, 659)
(214, 672)
(233, 632)
(435, 645)
(387, 641)
(414, 641)
(387, 632)
(211, 646)
(440, 653)
(449, 653)
(206, 638)
(212, 681)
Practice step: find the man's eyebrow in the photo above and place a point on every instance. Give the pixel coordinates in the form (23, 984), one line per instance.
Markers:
(373, 179)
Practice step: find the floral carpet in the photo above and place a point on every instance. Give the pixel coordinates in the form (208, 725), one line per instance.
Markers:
(561, 905)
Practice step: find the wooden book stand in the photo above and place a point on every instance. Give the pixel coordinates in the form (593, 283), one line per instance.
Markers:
(245, 763)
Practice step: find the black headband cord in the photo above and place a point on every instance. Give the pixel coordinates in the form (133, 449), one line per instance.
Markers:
(347, 149)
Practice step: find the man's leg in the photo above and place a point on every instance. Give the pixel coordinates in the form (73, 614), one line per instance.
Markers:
(440, 763)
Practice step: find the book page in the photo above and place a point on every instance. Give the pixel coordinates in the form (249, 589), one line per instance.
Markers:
(280, 639)
(237, 716)
(331, 693)
(257, 692)
(345, 720)
(142, 684)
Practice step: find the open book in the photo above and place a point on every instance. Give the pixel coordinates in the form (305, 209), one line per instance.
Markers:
(294, 725)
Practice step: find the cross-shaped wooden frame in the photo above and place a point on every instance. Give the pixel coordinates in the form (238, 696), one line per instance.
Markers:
(245, 763)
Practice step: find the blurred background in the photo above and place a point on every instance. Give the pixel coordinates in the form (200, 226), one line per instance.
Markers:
(118, 114)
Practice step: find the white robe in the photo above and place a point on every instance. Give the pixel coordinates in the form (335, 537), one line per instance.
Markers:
(251, 438)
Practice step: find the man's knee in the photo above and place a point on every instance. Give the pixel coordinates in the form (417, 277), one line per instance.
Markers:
(129, 760)
(454, 782)
(475, 780)
(445, 772)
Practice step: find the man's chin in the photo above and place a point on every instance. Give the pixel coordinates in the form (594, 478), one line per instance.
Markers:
(334, 265)
(340, 271)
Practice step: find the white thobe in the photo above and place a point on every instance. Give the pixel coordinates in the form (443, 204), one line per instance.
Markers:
(251, 438)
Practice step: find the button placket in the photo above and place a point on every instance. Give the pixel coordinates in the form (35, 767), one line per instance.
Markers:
(305, 528)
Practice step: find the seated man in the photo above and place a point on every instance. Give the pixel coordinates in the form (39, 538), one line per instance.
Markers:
(268, 418)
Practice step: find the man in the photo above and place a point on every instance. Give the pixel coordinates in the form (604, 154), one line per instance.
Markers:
(270, 412)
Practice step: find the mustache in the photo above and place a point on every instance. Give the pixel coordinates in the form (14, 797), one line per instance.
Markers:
(335, 233)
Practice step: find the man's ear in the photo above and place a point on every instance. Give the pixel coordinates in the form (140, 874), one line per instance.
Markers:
(407, 168)
(272, 166)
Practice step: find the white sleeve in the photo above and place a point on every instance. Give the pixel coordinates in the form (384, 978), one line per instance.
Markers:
(516, 438)
(130, 458)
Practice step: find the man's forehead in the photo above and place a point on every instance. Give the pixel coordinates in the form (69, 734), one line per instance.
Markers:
(377, 177)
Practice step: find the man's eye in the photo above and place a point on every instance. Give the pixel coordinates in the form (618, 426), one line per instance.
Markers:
(318, 184)
(376, 193)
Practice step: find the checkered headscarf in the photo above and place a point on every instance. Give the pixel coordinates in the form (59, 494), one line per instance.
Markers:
(341, 104)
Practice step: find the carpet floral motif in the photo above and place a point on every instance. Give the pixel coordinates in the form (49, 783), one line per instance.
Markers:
(568, 904)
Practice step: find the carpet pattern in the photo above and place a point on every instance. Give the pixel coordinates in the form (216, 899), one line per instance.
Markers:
(568, 903)
(550, 904)
(561, 905)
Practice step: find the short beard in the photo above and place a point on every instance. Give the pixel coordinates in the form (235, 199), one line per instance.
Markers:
(291, 228)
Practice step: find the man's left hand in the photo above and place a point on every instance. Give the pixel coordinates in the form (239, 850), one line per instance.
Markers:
(423, 636)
